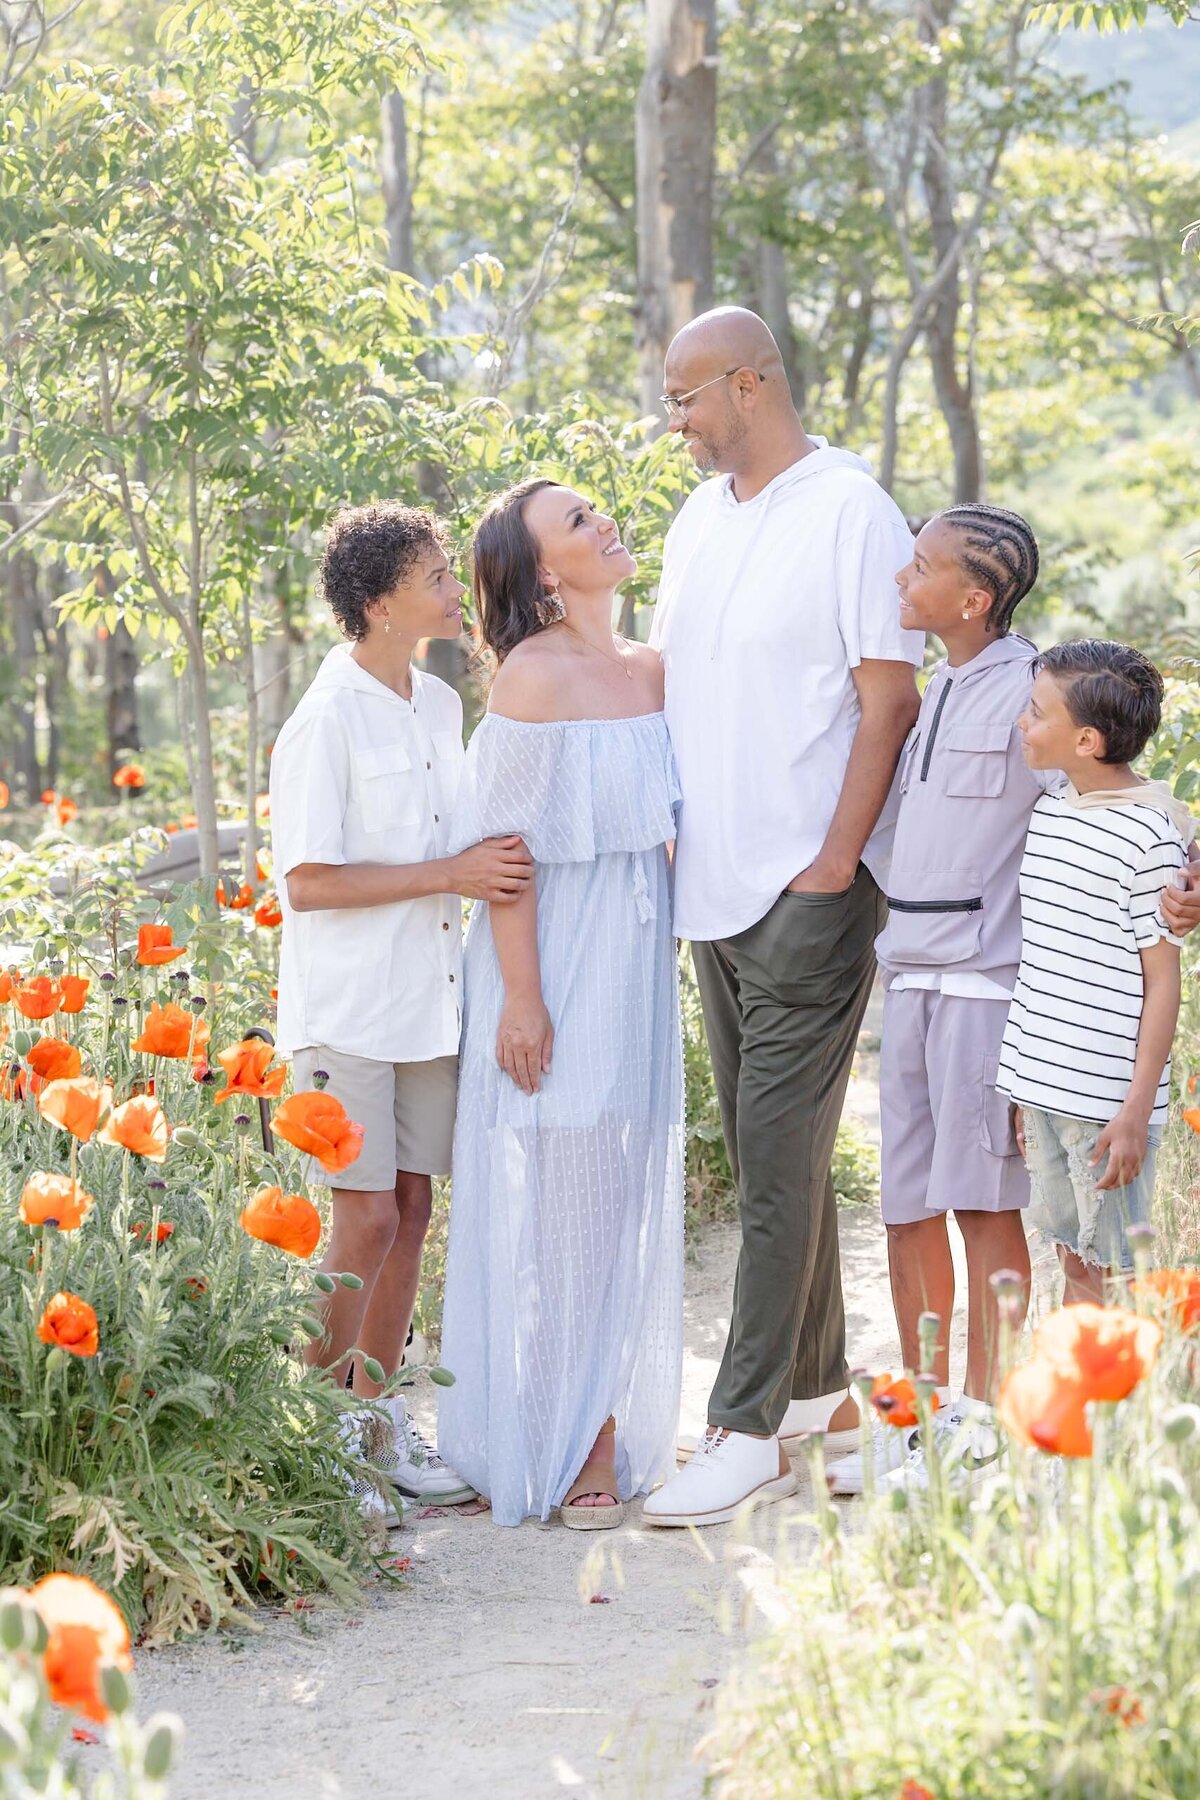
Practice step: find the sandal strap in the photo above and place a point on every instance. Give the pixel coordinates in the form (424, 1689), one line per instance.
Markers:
(598, 1474)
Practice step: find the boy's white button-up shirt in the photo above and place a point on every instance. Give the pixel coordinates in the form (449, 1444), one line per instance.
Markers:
(359, 775)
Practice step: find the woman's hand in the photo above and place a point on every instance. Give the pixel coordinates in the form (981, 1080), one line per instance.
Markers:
(524, 1041)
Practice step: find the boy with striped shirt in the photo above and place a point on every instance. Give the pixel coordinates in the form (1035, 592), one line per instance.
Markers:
(1086, 1051)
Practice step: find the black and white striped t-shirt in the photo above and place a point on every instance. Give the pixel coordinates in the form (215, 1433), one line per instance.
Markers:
(1091, 879)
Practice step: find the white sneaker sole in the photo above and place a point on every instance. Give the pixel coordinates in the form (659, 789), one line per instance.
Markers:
(457, 1496)
(777, 1489)
(837, 1443)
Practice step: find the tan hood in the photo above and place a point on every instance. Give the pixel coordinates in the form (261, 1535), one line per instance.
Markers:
(1146, 793)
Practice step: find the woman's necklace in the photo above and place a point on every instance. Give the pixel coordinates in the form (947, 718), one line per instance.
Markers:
(623, 661)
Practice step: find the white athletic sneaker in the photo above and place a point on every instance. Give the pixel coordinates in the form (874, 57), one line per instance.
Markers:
(967, 1443)
(728, 1470)
(411, 1463)
(892, 1443)
(374, 1508)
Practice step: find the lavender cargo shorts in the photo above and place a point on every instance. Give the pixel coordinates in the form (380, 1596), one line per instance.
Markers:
(948, 1137)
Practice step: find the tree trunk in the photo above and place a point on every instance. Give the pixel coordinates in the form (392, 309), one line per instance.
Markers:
(120, 688)
(397, 183)
(20, 580)
(955, 392)
(675, 143)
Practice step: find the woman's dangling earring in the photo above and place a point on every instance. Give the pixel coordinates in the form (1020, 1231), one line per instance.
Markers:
(387, 624)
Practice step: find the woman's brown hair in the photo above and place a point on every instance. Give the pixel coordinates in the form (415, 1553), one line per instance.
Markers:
(511, 602)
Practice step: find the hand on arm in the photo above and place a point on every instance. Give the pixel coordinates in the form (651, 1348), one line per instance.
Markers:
(498, 870)
(889, 702)
(1181, 905)
(1126, 1135)
(525, 1036)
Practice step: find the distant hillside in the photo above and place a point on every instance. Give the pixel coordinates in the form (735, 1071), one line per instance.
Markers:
(1161, 64)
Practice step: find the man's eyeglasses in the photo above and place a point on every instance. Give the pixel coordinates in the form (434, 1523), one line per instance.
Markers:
(679, 405)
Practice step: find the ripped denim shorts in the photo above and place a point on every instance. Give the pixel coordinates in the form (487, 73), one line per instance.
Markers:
(1065, 1202)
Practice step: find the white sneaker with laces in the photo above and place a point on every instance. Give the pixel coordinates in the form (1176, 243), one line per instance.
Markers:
(372, 1505)
(967, 1443)
(801, 1417)
(891, 1445)
(728, 1470)
(411, 1463)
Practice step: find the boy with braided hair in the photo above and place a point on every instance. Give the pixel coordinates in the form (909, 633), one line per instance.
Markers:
(949, 957)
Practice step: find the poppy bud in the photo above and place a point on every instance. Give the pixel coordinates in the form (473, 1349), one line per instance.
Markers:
(108, 978)
(320, 1079)
(14, 1742)
(441, 1377)
(325, 1282)
(119, 1002)
(373, 1370)
(162, 1738)
(191, 1140)
(1181, 1424)
(899, 1500)
(12, 1625)
(114, 1685)
(242, 1121)
(23, 1042)
(197, 1003)
(279, 1334)
(57, 965)
(1021, 1625)
(313, 1328)
(350, 1280)
(1168, 1484)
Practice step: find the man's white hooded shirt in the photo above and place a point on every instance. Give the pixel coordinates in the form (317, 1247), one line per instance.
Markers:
(765, 609)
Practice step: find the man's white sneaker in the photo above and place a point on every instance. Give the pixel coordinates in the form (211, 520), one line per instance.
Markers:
(410, 1462)
(372, 1506)
(891, 1444)
(966, 1443)
(728, 1470)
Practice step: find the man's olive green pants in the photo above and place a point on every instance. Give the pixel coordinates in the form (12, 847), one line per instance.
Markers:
(783, 1003)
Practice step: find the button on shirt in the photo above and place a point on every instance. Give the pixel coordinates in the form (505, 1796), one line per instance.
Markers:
(765, 609)
(359, 775)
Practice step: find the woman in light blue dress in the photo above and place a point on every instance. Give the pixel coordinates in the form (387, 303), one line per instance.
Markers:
(564, 1285)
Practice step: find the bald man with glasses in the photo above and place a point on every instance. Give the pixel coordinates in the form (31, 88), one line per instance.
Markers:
(789, 691)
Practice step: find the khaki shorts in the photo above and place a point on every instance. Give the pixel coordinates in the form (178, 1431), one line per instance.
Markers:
(405, 1109)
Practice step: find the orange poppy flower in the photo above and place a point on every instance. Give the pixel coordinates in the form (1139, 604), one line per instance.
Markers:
(76, 1104)
(268, 912)
(38, 997)
(320, 1126)
(246, 1071)
(1122, 1704)
(8, 981)
(66, 810)
(288, 1221)
(156, 945)
(896, 1400)
(4, 795)
(74, 992)
(1176, 1289)
(129, 775)
(139, 1125)
(241, 900)
(54, 1199)
(162, 1233)
(48, 796)
(1105, 1349)
(167, 1031)
(71, 1324)
(54, 1059)
(913, 1790)
(1041, 1406)
(86, 1631)
(262, 806)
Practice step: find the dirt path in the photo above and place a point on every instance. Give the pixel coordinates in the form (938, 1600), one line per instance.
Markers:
(493, 1673)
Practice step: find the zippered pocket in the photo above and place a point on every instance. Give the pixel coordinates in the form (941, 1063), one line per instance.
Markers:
(936, 906)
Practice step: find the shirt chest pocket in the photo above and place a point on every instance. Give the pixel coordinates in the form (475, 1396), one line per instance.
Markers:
(975, 759)
(448, 756)
(389, 788)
